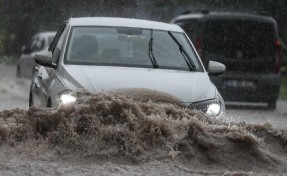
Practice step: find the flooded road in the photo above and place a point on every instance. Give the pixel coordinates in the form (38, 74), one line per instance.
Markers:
(106, 134)
(13, 91)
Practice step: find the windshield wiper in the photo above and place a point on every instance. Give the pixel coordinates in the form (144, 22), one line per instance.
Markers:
(151, 56)
(186, 57)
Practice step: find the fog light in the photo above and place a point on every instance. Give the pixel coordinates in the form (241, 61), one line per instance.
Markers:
(210, 107)
(213, 109)
(67, 98)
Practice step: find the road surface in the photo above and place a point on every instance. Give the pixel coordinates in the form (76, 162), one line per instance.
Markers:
(190, 146)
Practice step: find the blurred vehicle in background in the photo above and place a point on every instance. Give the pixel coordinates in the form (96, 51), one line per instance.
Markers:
(249, 46)
(26, 62)
(110, 54)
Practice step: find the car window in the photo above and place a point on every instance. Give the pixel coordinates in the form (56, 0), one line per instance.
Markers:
(57, 43)
(118, 46)
(28, 47)
(56, 38)
(31, 45)
(38, 44)
(228, 37)
(190, 26)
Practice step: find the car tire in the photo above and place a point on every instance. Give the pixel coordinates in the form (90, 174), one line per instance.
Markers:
(30, 99)
(18, 71)
(49, 103)
(272, 105)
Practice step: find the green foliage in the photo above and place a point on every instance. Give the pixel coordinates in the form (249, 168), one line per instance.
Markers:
(8, 60)
(21, 19)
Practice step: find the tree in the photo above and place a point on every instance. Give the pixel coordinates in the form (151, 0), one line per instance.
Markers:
(20, 20)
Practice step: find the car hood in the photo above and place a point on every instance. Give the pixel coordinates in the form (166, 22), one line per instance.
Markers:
(184, 85)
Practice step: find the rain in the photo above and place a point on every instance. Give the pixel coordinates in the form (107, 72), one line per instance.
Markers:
(138, 131)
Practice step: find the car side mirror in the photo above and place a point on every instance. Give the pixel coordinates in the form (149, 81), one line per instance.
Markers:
(215, 68)
(45, 59)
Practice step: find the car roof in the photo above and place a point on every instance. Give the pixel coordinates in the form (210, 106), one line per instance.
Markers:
(123, 22)
(225, 15)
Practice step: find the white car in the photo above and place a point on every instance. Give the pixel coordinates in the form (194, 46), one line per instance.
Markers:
(26, 63)
(107, 54)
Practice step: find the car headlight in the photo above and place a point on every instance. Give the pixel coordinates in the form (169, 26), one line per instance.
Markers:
(66, 97)
(210, 107)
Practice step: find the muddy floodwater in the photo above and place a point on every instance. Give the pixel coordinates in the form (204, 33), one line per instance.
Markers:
(113, 134)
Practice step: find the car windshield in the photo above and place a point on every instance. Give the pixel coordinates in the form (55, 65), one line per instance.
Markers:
(132, 47)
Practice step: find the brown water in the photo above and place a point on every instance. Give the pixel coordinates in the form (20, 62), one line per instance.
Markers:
(104, 134)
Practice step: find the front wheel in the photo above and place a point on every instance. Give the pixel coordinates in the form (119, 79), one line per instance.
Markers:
(30, 99)
(18, 71)
(272, 105)
(49, 103)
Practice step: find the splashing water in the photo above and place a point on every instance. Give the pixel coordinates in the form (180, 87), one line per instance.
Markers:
(114, 128)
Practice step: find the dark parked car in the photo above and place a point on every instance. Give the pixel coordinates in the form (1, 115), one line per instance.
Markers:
(249, 46)
(26, 63)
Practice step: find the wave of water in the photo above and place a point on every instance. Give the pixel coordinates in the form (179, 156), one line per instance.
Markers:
(112, 127)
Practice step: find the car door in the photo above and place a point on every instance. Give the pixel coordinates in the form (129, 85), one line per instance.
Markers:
(46, 77)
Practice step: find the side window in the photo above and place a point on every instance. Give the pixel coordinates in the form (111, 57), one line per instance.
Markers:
(56, 38)
(56, 44)
(30, 46)
(38, 44)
